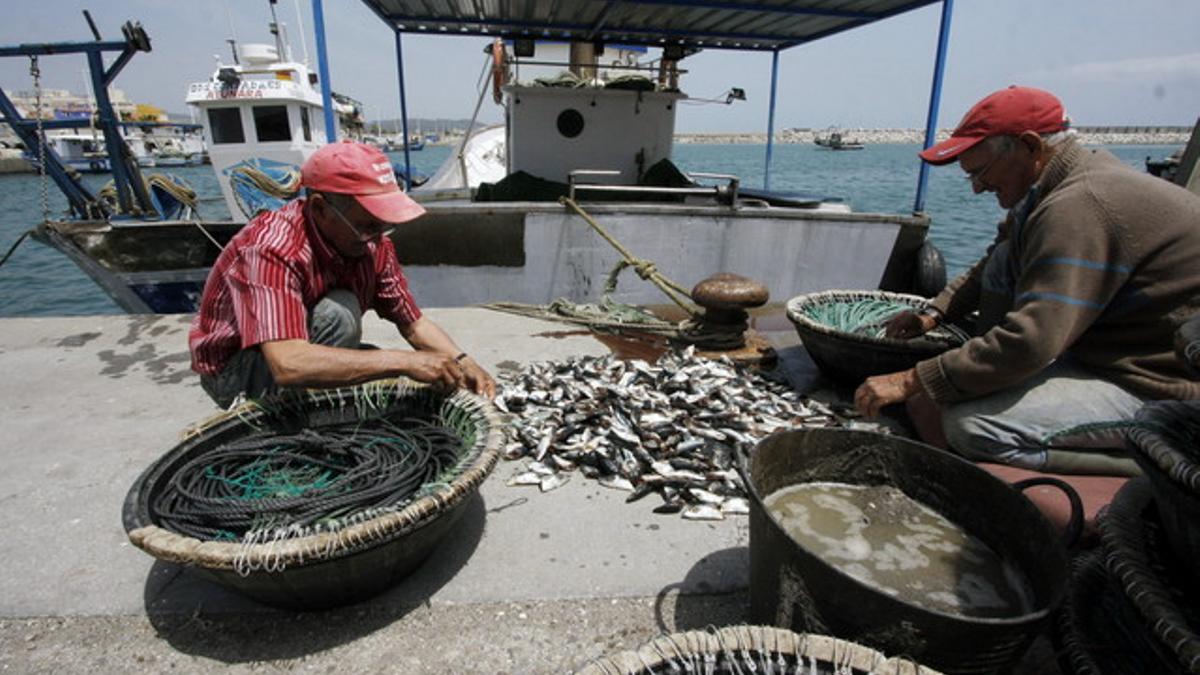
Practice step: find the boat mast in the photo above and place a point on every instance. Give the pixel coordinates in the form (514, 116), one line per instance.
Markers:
(935, 97)
(323, 70)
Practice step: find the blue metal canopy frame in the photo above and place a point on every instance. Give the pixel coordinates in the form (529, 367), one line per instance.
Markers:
(704, 24)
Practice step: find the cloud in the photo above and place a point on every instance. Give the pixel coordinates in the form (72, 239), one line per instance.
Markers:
(1178, 67)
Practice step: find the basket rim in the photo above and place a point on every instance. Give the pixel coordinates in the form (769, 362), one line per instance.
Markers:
(173, 547)
(667, 648)
(1129, 561)
(797, 317)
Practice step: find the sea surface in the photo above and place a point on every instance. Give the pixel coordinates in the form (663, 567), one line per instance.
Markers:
(39, 281)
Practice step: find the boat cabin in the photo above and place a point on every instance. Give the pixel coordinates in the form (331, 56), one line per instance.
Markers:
(553, 131)
(263, 112)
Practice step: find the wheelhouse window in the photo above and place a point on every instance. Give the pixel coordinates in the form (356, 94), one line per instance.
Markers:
(271, 123)
(304, 123)
(226, 125)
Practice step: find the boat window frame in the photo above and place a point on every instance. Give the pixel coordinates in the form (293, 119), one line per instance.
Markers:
(221, 126)
(305, 122)
(285, 127)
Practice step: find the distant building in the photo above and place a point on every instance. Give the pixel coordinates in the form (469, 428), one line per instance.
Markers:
(61, 104)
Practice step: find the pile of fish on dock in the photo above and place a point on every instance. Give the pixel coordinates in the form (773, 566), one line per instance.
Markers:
(674, 427)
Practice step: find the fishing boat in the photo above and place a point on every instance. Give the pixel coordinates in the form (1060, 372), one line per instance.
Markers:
(834, 140)
(602, 145)
(261, 117)
(83, 152)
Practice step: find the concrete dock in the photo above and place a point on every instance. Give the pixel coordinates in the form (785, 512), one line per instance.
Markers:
(529, 582)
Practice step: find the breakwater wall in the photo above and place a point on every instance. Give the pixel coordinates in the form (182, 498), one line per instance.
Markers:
(1141, 135)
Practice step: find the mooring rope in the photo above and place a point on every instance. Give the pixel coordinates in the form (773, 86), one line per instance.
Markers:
(646, 269)
(13, 248)
(182, 193)
(311, 478)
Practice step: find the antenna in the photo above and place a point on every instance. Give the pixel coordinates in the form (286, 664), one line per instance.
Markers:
(232, 39)
(303, 35)
(287, 43)
(275, 29)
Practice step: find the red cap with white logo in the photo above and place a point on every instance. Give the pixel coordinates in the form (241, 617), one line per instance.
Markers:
(363, 171)
(1009, 111)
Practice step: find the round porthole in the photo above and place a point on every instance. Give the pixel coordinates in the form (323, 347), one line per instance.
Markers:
(570, 123)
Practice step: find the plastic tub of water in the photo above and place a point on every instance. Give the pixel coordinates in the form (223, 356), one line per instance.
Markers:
(795, 586)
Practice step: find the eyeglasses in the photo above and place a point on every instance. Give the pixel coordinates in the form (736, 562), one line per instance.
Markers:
(377, 230)
(976, 176)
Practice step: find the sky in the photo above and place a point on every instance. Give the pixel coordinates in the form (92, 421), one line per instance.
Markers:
(1112, 62)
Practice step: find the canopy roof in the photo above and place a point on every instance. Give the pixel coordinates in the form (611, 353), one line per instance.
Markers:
(713, 24)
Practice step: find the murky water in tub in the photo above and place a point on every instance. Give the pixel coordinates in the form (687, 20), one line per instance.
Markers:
(887, 540)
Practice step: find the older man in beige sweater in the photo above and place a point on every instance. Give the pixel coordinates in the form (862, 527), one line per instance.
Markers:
(1079, 297)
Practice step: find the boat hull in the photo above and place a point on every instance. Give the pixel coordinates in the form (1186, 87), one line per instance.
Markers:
(464, 253)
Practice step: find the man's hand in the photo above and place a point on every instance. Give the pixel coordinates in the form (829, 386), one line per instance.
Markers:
(909, 324)
(437, 369)
(477, 378)
(880, 390)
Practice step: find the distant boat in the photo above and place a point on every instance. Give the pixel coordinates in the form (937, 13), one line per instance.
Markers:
(83, 152)
(835, 141)
(415, 142)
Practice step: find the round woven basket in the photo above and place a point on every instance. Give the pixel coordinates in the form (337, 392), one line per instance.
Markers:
(1097, 631)
(751, 649)
(1159, 585)
(331, 567)
(1162, 442)
(850, 358)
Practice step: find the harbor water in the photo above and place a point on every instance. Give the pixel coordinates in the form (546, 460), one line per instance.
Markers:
(39, 281)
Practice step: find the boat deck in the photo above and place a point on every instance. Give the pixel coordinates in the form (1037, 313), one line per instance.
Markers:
(530, 582)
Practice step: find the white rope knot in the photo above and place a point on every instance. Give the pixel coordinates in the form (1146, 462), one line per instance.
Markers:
(644, 268)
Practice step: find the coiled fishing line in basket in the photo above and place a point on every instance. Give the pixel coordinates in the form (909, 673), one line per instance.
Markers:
(318, 478)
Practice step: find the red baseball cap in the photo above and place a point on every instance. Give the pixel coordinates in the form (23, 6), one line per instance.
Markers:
(1009, 111)
(363, 171)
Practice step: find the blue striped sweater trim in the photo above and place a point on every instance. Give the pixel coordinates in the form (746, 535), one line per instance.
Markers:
(1088, 264)
(1058, 297)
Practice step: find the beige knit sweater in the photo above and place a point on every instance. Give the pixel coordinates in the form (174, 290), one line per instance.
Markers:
(1106, 265)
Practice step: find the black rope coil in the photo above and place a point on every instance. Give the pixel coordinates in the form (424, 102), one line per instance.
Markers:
(309, 479)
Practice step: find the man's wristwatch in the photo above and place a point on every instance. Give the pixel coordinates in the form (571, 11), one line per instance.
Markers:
(932, 312)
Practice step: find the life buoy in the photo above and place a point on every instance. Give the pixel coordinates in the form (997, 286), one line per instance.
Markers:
(929, 277)
(499, 70)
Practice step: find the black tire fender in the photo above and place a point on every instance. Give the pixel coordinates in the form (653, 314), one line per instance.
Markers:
(929, 276)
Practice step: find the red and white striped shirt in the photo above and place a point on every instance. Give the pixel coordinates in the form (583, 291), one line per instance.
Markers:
(273, 272)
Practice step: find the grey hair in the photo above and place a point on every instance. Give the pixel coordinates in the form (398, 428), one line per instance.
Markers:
(1006, 142)
(1002, 144)
(1057, 137)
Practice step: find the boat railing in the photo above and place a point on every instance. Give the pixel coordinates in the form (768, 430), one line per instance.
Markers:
(721, 192)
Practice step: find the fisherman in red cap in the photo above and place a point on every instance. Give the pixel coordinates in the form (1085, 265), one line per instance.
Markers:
(1078, 299)
(283, 304)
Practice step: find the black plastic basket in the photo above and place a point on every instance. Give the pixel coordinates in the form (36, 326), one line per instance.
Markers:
(1160, 586)
(1160, 439)
(1098, 632)
(850, 358)
(793, 587)
(324, 568)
